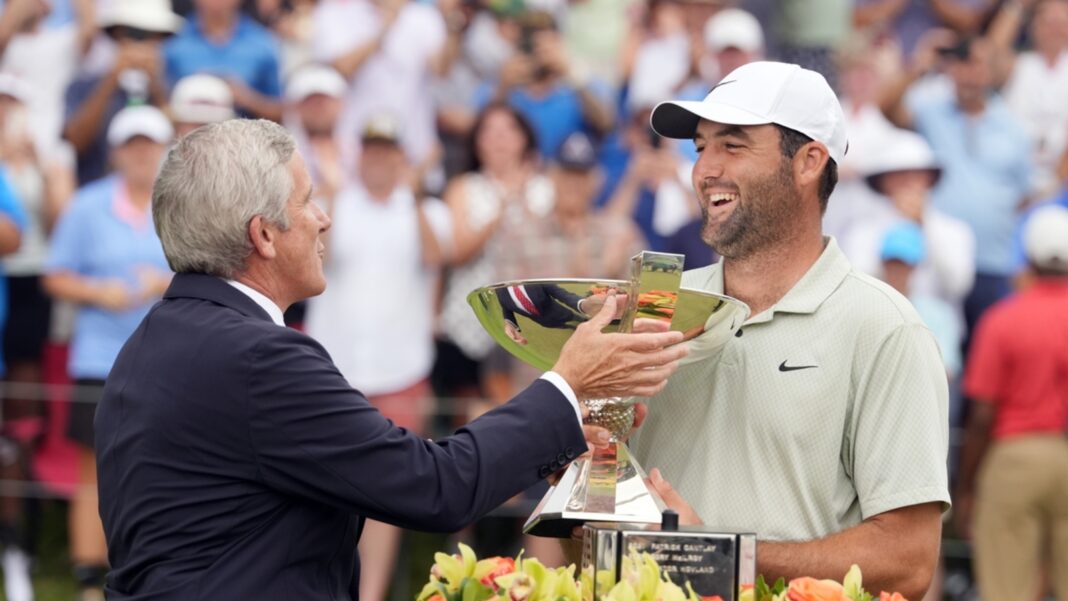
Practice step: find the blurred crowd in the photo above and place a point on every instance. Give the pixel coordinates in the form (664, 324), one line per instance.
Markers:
(456, 143)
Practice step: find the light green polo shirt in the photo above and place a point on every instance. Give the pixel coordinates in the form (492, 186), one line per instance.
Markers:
(831, 407)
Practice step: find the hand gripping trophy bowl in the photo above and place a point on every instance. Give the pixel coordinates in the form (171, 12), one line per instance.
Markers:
(532, 319)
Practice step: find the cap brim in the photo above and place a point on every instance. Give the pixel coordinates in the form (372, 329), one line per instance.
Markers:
(154, 137)
(872, 179)
(679, 119)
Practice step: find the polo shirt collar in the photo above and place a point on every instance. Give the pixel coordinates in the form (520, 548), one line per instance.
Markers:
(818, 283)
(240, 25)
(124, 210)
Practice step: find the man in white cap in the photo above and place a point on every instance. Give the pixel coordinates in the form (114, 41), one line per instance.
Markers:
(732, 38)
(198, 100)
(1011, 491)
(823, 425)
(315, 98)
(136, 76)
(105, 256)
(903, 174)
(379, 215)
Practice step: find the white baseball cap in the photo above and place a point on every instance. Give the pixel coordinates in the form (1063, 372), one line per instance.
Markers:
(901, 150)
(733, 28)
(760, 93)
(315, 79)
(140, 120)
(149, 15)
(201, 99)
(1046, 235)
(382, 127)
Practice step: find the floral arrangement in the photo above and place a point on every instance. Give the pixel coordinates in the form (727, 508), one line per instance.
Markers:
(809, 589)
(463, 577)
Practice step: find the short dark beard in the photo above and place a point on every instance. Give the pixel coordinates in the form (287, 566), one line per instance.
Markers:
(763, 218)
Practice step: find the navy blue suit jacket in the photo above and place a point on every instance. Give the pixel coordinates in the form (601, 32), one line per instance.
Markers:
(235, 462)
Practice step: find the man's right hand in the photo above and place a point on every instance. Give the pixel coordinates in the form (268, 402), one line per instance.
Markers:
(598, 365)
(114, 295)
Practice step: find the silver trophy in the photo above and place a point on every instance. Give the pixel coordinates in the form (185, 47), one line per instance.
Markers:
(532, 319)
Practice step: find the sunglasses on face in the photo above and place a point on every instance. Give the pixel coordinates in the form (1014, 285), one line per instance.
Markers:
(136, 34)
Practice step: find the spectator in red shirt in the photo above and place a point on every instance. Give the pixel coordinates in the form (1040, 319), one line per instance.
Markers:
(1014, 463)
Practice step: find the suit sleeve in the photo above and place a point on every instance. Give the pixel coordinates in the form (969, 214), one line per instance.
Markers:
(315, 437)
(561, 294)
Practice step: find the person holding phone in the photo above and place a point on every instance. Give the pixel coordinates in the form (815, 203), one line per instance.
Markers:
(539, 82)
(138, 28)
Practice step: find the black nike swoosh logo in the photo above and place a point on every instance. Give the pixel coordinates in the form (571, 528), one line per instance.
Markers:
(783, 367)
(722, 83)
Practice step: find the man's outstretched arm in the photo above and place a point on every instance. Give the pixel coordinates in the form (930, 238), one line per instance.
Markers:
(896, 550)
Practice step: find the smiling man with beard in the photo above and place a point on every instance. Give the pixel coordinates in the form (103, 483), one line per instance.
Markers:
(823, 425)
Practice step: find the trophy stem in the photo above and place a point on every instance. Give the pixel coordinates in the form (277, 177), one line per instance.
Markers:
(607, 485)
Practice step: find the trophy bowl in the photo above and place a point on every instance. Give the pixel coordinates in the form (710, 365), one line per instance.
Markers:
(532, 319)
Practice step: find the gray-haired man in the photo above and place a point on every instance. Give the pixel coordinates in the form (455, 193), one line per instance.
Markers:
(235, 462)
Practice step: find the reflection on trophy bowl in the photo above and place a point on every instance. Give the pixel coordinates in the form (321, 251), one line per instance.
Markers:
(533, 319)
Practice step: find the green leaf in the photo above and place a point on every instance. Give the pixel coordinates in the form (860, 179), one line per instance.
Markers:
(474, 590)
(469, 559)
(429, 590)
(853, 583)
(451, 570)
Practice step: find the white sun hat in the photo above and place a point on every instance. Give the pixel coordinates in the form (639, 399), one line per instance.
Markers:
(901, 150)
(149, 15)
(761, 93)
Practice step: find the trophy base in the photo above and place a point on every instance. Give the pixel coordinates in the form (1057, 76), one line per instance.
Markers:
(607, 487)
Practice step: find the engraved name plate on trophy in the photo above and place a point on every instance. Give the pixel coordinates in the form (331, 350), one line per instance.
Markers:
(714, 564)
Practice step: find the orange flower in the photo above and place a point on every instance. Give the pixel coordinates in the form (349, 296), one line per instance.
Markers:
(885, 596)
(810, 589)
(503, 565)
(437, 597)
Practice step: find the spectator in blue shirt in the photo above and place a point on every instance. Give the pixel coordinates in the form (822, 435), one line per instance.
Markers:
(984, 152)
(136, 77)
(536, 82)
(12, 222)
(220, 40)
(105, 256)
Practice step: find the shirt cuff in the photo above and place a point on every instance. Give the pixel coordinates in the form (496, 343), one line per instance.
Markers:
(565, 389)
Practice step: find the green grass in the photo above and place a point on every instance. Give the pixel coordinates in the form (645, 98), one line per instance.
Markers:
(52, 579)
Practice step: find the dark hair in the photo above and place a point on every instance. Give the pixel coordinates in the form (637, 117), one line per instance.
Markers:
(530, 149)
(790, 141)
(1054, 268)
